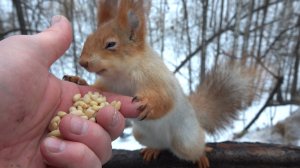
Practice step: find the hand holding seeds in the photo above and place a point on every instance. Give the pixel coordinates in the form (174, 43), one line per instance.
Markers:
(86, 107)
(31, 95)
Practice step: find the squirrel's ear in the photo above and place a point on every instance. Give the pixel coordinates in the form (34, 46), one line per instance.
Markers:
(107, 9)
(131, 18)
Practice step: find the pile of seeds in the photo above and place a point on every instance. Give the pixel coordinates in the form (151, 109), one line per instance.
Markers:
(83, 106)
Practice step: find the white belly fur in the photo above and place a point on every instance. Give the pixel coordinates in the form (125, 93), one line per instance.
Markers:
(180, 125)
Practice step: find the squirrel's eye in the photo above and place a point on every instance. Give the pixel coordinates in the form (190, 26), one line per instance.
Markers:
(110, 45)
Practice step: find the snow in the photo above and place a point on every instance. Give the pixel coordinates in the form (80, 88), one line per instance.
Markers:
(284, 132)
(128, 143)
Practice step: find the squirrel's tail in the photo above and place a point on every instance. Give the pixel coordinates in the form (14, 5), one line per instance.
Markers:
(225, 91)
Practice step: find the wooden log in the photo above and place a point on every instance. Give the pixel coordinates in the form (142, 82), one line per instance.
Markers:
(223, 155)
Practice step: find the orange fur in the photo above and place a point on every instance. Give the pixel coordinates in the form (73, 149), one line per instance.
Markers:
(107, 10)
(157, 100)
(137, 11)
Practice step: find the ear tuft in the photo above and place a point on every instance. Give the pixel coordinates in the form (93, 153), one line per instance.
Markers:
(131, 18)
(107, 9)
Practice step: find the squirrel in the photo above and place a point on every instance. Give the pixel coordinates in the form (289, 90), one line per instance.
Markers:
(118, 52)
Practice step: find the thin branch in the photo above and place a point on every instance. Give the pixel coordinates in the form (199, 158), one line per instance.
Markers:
(295, 101)
(267, 103)
(2, 35)
(209, 40)
(276, 39)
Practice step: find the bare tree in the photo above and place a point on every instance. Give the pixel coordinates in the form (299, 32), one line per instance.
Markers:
(264, 34)
(203, 51)
(20, 14)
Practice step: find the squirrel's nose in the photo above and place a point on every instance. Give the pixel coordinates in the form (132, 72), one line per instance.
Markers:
(84, 63)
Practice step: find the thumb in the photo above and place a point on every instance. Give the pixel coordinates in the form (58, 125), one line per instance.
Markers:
(55, 40)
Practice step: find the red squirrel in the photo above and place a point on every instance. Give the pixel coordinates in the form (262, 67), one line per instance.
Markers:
(120, 55)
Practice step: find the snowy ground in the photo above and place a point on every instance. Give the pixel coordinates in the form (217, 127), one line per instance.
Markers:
(283, 132)
(128, 143)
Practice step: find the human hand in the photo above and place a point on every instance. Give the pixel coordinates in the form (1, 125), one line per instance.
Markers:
(31, 96)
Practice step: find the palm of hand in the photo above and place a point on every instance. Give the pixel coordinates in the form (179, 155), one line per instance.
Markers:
(28, 94)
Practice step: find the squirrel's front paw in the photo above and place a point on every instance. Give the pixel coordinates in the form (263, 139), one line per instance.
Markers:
(75, 79)
(153, 106)
(144, 107)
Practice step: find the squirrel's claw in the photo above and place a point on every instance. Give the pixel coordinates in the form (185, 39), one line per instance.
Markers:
(143, 108)
(135, 99)
(150, 154)
(203, 162)
(75, 79)
(142, 116)
(143, 113)
(152, 105)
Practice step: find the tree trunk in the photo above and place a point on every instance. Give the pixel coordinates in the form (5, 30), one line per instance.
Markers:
(219, 37)
(237, 29)
(20, 14)
(189, 45)
(294, 91)
(203, 51)
(246, 36)
(261, 33)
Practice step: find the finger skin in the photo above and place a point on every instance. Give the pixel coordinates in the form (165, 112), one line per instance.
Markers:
(128, 108)
(70, 154)
(111, 120)
(91, 134)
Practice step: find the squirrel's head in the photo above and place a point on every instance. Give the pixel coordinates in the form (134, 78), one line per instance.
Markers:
(120, 37)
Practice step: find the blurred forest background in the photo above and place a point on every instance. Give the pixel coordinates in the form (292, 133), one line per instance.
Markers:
(190, 35)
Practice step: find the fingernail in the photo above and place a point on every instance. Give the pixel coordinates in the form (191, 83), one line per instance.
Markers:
(54, 145)
(78, 126)
(115, 118)
(55, 19)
